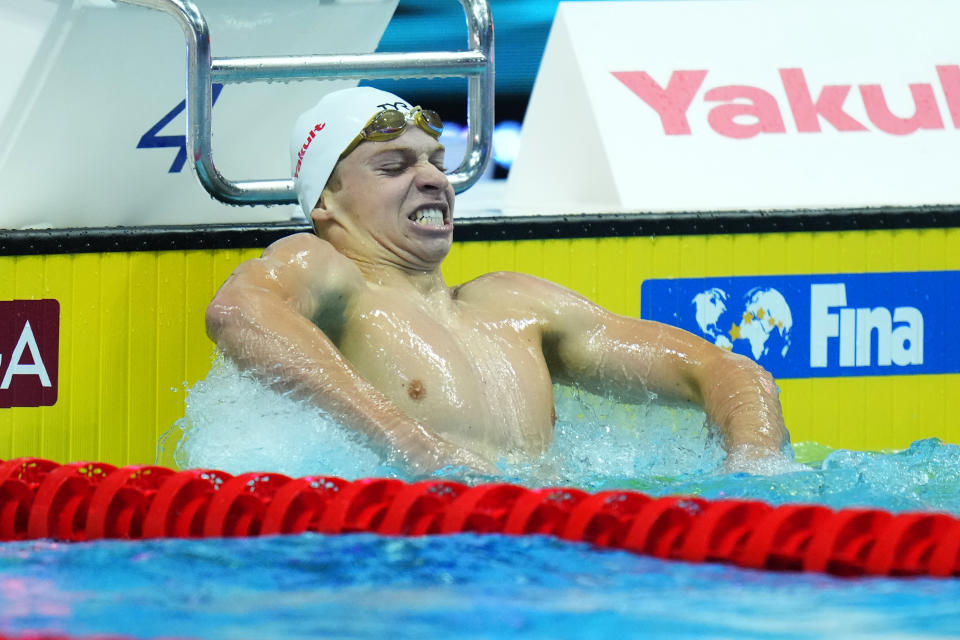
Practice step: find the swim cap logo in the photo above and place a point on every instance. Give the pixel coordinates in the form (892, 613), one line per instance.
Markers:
(306, 145)
(394, 106)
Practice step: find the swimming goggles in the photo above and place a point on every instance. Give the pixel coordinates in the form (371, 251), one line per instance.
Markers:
(391, 123)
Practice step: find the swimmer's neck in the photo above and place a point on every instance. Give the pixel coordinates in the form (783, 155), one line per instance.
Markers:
(424, 283)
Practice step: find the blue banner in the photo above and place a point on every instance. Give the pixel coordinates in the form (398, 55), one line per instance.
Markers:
(823, 325)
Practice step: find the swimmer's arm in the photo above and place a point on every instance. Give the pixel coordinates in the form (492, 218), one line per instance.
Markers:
(629, 358)
(263, 319)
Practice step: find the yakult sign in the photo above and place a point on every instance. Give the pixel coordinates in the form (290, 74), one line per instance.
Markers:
(742, 104)
(744, 111)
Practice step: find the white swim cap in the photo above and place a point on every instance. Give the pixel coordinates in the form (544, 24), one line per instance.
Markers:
(322, 133)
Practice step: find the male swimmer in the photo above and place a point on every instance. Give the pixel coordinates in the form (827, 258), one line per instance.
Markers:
(358, 320)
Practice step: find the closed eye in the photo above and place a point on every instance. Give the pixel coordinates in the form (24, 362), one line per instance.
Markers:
(437, 160)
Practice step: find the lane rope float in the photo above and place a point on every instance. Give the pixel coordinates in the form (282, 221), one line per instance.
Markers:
(90, 500)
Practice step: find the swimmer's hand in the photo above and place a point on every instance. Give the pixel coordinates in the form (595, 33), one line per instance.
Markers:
(458, 457)
(447, 455)
(759, 461)
(431, 453)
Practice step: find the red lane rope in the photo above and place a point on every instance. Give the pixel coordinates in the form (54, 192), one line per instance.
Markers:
(90, 500)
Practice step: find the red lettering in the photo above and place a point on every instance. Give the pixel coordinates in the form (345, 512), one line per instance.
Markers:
(925, 116)
(829, 104)
(317, 128)
(671, 104)
(762, 107)
(749, 111)
(950, 81)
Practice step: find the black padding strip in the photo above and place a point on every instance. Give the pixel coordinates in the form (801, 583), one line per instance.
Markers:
(235, 236)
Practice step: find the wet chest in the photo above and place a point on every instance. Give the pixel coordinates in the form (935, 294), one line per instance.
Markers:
(471, 366)
(454, 351)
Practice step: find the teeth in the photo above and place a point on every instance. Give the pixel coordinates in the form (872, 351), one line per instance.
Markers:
(433, 217)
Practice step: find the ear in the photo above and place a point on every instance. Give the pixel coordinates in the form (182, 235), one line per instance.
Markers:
(321, 213)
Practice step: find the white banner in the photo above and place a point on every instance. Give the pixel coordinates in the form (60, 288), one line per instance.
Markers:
(743, 105)
(92, 115)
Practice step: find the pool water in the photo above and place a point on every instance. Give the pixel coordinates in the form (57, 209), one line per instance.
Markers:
(235, 424)
(483, 586)
(464, 586)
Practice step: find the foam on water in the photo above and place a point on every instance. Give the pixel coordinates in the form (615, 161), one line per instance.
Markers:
(234, 423)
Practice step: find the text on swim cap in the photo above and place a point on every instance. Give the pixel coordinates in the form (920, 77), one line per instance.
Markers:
(394, 106)
(313, 134)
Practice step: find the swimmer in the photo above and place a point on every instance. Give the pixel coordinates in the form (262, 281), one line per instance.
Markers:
(357, 318)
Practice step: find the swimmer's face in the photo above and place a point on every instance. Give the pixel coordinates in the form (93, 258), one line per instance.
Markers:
(392, 201)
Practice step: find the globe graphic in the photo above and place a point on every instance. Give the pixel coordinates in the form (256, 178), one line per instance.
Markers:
(762, 320)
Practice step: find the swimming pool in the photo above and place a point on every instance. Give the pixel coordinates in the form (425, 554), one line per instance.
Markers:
(479, 586)
(466, 586)
(361, 585)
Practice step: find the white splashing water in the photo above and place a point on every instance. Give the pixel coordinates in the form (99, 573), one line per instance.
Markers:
(235, 424)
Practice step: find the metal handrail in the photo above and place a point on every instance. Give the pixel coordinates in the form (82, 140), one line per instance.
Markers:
(203, 70)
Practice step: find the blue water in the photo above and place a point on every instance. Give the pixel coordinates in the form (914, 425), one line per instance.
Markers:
(469, 586)
(465, 586)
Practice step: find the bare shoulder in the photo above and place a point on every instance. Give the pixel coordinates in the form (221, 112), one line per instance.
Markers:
(521, 289)
(301, 258)
(303, 270)
(303, 250)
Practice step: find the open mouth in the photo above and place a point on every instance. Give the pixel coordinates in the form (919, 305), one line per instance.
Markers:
(432, 215)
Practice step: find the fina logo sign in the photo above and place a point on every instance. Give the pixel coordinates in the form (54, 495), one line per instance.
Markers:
(813, 326)
(899, 336)
(29, 352)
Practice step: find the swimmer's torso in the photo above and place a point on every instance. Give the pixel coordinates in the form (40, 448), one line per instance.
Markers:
(470, 369)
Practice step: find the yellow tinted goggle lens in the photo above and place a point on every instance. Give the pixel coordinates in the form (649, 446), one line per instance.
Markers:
(390, 123)
(384, 126)
(429, 121)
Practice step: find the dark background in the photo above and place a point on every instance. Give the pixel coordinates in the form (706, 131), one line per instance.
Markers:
(521, 28)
